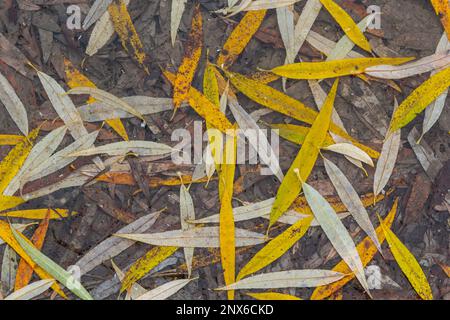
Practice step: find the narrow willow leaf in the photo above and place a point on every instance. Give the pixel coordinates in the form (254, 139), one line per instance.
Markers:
(24, 270)
(297, 134)
(280, 102)
(285, 19)
(107, 99)
(139, 147)
(249, 5)
(334, 68)
(38, 214)
(427, 64)
(102, 33)
(95, 12)
(434, 110)
(63, 276)
(13, 161)
(112, 246)
(32, 290)
(207, 237)
(347, 24)
(7, 235)
(286, 279)
(240, 37)
(305, 159)
(386, 162)
(9, 270)
(10, 139)
(19, 227)
(124, 27)
(135, 291)
(187, 212)
(98, 111)
(419, 99)
(12, 103)
(351, 200)
(205, 108)
(351, 151)
(327, 46)
(191, 58)
(366, 250)
(442, 9)
(261, 145)
(336, 232)
(165, 291)
(65, 109)
(409, 265)
(41, 152)
(271, 296)
(175, 18)
(145, 264)
(76, 79)
(9, 202)
(275, 248)
(61, 158)
(227, 230)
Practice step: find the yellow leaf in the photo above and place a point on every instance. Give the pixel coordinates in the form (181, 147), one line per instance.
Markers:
(226, 223)
(124, 27)
(204, 108)
(13, 161)
(38, 214)
(76, 79)
(366, 250)
(8, 237)
(146, 263)
(297, 134)
(276, 247)
(347, 24)
(419, 99)
(333, 68)
(409, 265)
(442, 9)
(8, 202)
(272, 296)
(305, 160)
(280, 102)
(10, 139)
(240, 37)
(190, 61)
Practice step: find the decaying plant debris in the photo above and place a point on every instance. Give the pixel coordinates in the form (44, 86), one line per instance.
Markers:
(93, 207)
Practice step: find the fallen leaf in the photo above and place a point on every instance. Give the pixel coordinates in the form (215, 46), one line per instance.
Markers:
(333, 68)
(135, 291)
(286, 279)
(39, 214)
(240, 37)
(187, 212)
(336, 232)
(165, 291)
(409, 265)
(12, 103)
(10, 139)
(419, 99)
(347, 24)
(305, 159)
(8, 202)
(98, 8)
(351, 151)
(271, 296)
(176, 13)
(31, 290)
(141, 148)
(191, 58)
(9, 270)
(442, 9)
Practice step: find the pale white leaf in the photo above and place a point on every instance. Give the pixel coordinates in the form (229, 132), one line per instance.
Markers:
(113, 246)
(306, 278)
(135, 291)
(351, 200)
(187, 212)
(176, 13)
(207, 237)
(326, 46)
(165, 291)
(351, 151)
(9, 270)
(285, 18)
(32, 290)
(336, 232)
(12, 103)
(95, 12)
(139, 147)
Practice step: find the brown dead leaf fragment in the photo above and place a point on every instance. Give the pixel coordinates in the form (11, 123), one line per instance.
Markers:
(240, 37)
(24, 270)
(192, 53)
(127, 32)
(126, 178)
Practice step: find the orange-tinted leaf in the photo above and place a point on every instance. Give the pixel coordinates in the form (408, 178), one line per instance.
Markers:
(24, 270)
(126, 178)
(442, 8)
